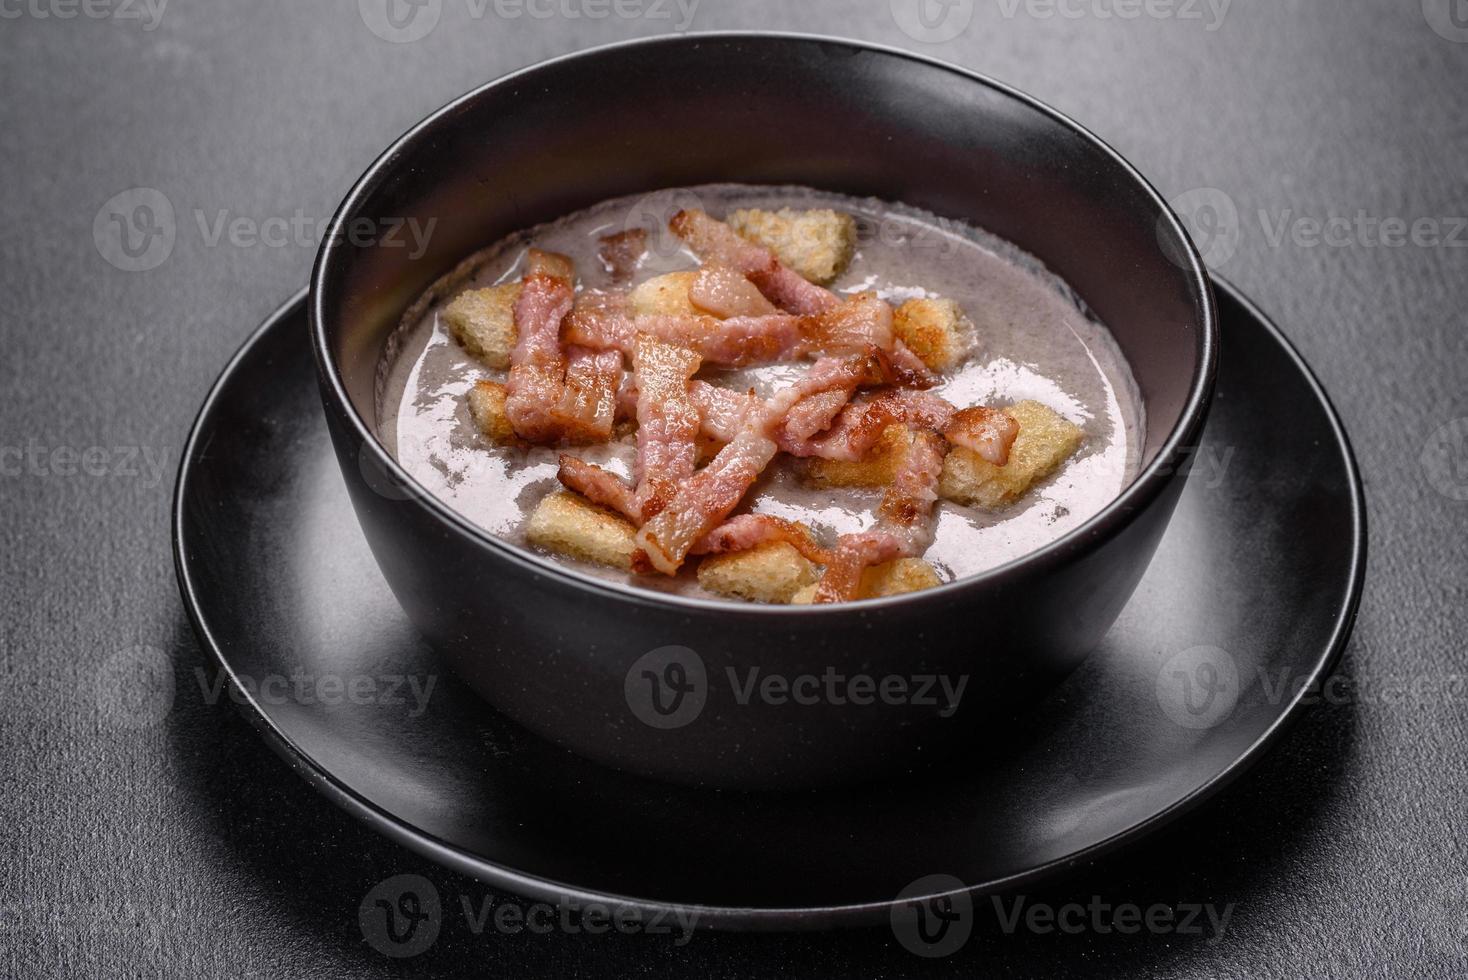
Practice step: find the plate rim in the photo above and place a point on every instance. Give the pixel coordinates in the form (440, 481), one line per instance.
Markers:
(747, 918)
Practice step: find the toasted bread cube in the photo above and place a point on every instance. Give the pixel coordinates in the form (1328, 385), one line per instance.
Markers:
(483, 321)
(891, 578)
(1045, 441)
(935, 331)
(772, 572)
(898, 577)
(876, 469)
(568, 524)
(664, 295)
(818, 244)
(487, 409)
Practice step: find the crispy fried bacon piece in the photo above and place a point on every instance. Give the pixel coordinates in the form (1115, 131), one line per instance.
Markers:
(987, 431)
(668, 425)
(736, 342)
(622, 253)
(588, 402)
(703, 500)
(667, 421)
(904, 527)
(723, 410)
(810, 433)
(554, 394)
(752, 530)
(602, 321)
(908, 369)
(864, 320)
(813, 415)
(726, 292)
(599, 485)
(717, 243)
(537, 364)
(710, 495)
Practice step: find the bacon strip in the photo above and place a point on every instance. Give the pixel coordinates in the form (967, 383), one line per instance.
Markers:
(602, 321)
(555, 394)
(737, 342)
(725, 292)
(667, 421)
(864, 320)
(987, 431)
(703, 501)
(588, 403)
(716, 242)
(752, 530)
(600, 486)
(814, 415)
(904, 525)
(710, 495)
(909, 369)
(856, 428)
(723, 410)
(668, 425)
(537, 364)
(622, 253)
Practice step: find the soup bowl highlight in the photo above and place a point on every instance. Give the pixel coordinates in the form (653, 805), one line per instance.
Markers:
(719, 693)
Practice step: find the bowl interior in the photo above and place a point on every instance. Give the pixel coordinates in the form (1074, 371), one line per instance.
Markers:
(781, 110)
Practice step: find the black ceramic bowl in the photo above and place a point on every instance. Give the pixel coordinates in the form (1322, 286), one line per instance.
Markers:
(642, 680)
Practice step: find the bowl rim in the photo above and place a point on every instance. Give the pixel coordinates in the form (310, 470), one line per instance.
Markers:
(1142, 491)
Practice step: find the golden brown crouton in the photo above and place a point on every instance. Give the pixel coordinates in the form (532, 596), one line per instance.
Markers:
(771, 572)
(898, 577)
(876, 469)
(935, 331)
(487, 409)
(665, 294)
(1045, 441)
(817, 244)
(570, 525)
(483, 321)
(892, 578)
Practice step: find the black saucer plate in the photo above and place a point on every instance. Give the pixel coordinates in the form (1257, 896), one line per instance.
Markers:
(1250, 600)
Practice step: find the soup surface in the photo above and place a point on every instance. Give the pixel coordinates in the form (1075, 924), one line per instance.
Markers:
(1033, 342)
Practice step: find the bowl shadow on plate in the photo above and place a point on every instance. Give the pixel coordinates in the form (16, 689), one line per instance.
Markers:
(315, 863)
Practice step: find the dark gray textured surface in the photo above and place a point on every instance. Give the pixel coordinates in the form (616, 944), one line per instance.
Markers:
(185, 848)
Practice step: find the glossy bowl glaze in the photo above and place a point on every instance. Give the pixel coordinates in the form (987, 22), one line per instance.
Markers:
(718, 693)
